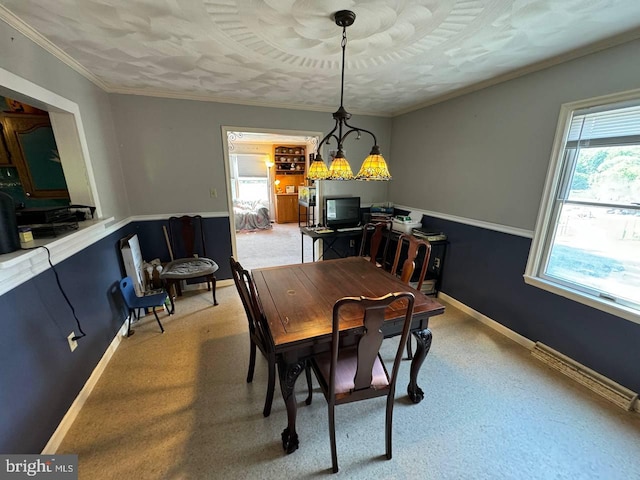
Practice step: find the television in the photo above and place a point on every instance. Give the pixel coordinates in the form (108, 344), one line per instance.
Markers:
(341, 212)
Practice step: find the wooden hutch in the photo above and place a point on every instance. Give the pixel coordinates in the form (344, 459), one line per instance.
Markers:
(290, 162)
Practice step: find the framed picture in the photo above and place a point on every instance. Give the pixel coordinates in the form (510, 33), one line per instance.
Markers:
(290, 189)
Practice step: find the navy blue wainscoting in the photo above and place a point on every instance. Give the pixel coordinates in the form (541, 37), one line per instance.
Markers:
(216, 233)
(39, 376)
(484, 270)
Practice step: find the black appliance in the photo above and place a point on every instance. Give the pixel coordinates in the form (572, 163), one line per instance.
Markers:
(9, 238)
(47, 221)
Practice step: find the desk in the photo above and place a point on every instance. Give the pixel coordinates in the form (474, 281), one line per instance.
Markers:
(298, 300)
(328, 241)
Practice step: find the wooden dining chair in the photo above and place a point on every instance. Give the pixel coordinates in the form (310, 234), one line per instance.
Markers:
(259, 336)
(357, 372)
(372, 234)
(188, 252)
(414, 245)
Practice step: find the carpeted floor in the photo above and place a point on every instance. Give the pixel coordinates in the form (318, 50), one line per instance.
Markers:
(176, 406)
(280, 245)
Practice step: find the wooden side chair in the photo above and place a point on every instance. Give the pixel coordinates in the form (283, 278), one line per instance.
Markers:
(186, 241)
(349, 374)
(135, 303)
(259, 336)
(372, 234)
(414, 245)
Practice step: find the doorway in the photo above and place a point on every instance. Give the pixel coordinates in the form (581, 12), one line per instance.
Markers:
(256, 184)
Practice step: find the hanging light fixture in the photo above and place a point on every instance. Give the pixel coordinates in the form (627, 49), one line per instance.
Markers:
(374, 167)
(317, 170)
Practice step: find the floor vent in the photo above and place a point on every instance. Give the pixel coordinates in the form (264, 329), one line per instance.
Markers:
(610, 390)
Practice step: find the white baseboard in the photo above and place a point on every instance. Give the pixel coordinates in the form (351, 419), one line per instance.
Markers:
(530, 345)
(516, 337)
(56, 439)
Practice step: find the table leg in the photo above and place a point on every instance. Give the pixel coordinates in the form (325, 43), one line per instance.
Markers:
(423, 338)
(288, 373)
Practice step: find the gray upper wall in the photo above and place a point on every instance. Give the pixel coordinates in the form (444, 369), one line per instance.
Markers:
(172, 150)
(484, 156)
(24, 58)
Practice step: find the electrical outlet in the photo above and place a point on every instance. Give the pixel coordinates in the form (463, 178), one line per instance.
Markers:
(73, 344)
(436, 263)
(213, 193)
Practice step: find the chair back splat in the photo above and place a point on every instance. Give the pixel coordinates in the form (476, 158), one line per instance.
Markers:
(189, 259)
(357, 372)
(372, 234)
(409, 264)
(259, 336)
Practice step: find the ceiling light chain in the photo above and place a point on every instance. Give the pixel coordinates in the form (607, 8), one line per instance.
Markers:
(374, 166)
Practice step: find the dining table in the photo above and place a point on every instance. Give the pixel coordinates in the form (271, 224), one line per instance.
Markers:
(297, 302)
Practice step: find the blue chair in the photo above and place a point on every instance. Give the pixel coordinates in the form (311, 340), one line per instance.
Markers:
(135, 302)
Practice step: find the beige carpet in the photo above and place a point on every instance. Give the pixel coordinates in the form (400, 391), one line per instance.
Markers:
(176, 406)
(280, 245)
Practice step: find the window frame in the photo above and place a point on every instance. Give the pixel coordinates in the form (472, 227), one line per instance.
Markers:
(548, 214)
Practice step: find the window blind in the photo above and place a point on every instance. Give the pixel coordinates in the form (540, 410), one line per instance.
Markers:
(623, 122)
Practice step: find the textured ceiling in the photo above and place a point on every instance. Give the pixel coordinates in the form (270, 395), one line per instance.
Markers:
(400, 54)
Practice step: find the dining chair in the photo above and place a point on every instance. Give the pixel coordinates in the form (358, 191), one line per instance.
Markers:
(135, 303)
(186, 241)
(259, 336)
(372, 234)
(414, 245)
(357, 372)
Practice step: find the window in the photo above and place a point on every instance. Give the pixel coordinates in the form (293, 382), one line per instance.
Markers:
(587, 240)
(250, 177)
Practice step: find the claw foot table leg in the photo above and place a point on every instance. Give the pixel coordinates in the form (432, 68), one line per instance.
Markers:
(423, 338)
(288, 373)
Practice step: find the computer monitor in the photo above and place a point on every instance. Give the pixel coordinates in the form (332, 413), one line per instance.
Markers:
(341, 212)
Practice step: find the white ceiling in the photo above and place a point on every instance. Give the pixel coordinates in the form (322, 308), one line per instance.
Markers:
(400, 54)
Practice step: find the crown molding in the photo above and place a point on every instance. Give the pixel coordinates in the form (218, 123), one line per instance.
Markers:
(13, 21)
(611, 42)
(237, 101)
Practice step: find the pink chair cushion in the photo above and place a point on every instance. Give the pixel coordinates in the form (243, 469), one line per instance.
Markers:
(346, 370)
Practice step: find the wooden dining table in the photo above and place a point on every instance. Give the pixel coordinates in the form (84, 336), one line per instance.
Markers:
(297, 301)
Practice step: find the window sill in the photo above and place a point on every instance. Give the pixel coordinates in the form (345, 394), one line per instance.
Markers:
(19, 266)
(607, 306)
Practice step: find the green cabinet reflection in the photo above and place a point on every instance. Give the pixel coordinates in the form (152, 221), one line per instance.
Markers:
(32, 150)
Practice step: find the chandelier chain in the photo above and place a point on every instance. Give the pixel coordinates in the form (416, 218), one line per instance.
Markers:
(344, 47)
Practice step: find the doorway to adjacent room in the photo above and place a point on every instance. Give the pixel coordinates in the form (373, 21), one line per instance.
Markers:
(260, 181)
